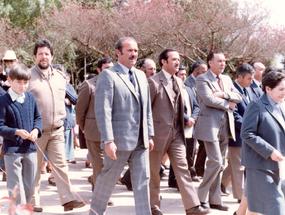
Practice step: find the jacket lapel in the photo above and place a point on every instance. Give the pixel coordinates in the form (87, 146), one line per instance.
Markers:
(269, 108)
(164, 83)
(213, 81)
(117, 68)
(241, 92)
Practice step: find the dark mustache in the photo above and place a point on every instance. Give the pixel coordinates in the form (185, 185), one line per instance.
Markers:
(132, 57)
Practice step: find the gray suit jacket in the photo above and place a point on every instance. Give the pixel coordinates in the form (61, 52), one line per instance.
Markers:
(262, 131)
(85, 115)
(118, 108)
(213, 109)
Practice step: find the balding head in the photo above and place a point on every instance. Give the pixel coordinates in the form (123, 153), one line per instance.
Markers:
(148, 67)
(259, 69)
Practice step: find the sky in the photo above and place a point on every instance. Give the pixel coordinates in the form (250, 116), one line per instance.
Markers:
(276, 10)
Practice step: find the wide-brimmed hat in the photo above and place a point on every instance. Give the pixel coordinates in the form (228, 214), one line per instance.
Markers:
(9, 55)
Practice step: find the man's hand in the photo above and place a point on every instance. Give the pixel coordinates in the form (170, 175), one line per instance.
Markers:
(23, 133)
(232, 105)
(110, 150)
(34, 135)
(67, 101)
(190, 122)
(276, 156)
(151, 145)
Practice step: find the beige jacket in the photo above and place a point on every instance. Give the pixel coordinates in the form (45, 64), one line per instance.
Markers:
(49, 92)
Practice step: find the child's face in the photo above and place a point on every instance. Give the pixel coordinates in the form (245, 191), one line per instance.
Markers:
(19, 86)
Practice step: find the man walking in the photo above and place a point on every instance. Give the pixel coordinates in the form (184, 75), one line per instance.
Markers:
(217, 99)
(85, 117)
(48, 86)
(234, 172)
(124, 119)
(168, 116)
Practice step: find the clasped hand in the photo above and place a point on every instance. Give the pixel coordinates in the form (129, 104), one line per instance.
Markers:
(24, 134)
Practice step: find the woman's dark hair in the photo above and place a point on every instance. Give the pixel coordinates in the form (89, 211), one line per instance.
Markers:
(272, 79)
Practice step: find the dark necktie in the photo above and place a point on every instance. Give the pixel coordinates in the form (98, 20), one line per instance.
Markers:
(132, 78)
(175, 85)
(220, 83)
(246, 95)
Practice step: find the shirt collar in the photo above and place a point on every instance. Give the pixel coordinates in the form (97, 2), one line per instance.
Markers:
(272, 103)
(167, 75)
(44, 75)
(215, 75)
(124, 68)
(239, 85)
(258, 83)
(15, 96)
(193, 76)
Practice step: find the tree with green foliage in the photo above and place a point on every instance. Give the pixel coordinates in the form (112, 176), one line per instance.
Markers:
(23, 13)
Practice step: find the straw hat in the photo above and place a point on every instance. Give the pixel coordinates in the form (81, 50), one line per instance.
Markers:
(9, 55)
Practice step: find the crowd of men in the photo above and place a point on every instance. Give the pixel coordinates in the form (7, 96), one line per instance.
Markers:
(131, 114)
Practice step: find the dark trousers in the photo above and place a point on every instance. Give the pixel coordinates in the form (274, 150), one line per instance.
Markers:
(126, 179)
(201, 159)
(190, 155)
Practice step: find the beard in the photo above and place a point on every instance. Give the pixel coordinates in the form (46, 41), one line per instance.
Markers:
(43, 66)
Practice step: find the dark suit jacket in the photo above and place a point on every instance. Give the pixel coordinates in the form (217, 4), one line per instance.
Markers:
(238, 115)
(2, 91)
(261, 132)
(256, 90)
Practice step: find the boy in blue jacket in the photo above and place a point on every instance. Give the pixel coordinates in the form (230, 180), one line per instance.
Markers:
(20, 126)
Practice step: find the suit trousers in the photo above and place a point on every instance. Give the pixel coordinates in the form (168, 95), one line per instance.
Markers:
(96, 157)
(21, 171)
(190, 156)
(210, 187)
(234, 172)
(175, 148)
(106, 180)
(53, 144)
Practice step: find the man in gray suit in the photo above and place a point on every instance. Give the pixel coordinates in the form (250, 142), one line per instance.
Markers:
(124, 119)
(255, 86)
(217, 99)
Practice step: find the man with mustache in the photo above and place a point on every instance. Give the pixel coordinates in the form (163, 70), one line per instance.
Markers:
(124, 119)
(48, 85)
(167, 101)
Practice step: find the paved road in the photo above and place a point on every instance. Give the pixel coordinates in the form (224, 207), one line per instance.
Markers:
(123, 199)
